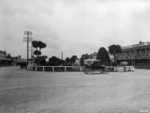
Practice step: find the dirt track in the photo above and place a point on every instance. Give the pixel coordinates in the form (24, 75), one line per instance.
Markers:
(23, 91)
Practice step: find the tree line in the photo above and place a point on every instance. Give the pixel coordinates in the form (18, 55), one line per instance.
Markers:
(102, 55)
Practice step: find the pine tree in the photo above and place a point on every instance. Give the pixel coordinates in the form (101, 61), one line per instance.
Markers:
(103, 56)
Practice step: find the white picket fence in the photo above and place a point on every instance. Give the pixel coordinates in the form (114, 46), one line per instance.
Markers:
(63, 68)
(76, 68)
(121, 68)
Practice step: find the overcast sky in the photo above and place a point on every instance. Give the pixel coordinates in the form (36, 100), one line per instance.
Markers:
(73, 26)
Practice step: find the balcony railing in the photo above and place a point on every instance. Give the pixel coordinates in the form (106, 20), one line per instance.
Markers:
(133, 56)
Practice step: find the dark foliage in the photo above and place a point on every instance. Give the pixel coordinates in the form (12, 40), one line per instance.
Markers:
(38, 45)
(114, 49)
(41, 60)
(37, 53)
(41, 45)
(54, 61)
(73, 59)
(114, 63)
(103, 56)
(67, 62)
(83, 57)
(35, 44)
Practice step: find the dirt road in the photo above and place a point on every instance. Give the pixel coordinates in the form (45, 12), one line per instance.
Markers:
(23, 91)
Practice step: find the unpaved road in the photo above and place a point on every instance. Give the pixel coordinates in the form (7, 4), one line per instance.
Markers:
(23, 91)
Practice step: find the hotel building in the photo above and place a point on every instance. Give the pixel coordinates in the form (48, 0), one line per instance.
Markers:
(137, 55)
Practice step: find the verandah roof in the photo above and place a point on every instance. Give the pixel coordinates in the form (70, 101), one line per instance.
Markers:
(6, 59)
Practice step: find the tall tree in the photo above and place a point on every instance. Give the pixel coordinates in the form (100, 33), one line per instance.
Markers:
(73, 59)
(38, 45)
(35, 44)
(54, 61)
(41, 45)
(114, 49)
(103, 56)
(19, 56)
(41, 60)
(37, 53)
(83, 57)
(68, 61)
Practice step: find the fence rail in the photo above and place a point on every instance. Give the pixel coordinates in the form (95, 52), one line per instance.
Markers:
(121, 68)
(56, 68)
(76, 68)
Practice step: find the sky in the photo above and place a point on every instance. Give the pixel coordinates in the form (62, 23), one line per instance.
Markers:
(75, 27)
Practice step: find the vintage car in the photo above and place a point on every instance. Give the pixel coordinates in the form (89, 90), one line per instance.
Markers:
(92, 65)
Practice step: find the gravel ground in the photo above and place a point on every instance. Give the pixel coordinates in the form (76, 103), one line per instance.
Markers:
(23, 91)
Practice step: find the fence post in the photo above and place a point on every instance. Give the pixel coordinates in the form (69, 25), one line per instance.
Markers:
(132, 68)
(80, 68)
(53, 68)
(35, 68)
(115, 69)
(43, 68)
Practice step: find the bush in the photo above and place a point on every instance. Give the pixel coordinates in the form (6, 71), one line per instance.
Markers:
(114, 63)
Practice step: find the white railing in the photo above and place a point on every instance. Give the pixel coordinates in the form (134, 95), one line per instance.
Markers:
(64, 68)
(76, 68)
(121, 68)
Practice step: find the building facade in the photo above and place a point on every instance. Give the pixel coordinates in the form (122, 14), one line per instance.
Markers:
(3, 59)
(137, 55)
(2, 54)
(93, 55)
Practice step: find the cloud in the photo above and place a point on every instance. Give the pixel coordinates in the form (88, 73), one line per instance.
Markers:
(73, 26)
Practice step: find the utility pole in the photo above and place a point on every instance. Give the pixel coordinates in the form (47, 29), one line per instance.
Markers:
(28, 39)
(27, 46)
(31, 52)
(62, 55)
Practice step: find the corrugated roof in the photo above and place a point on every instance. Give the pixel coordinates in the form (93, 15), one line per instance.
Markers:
(143, 44)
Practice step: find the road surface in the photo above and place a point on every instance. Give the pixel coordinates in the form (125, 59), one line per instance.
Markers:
(23, 91)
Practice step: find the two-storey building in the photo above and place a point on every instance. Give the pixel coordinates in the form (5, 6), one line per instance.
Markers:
(137, 55)
(3, 59)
